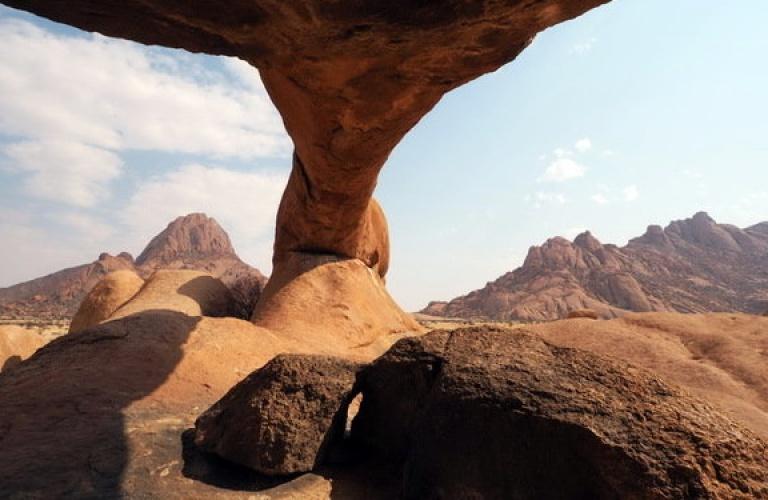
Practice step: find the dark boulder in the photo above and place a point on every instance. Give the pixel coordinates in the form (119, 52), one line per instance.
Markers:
(487, 413)
(281, 419)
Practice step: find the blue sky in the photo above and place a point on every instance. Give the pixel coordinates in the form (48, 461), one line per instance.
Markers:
(639, 112)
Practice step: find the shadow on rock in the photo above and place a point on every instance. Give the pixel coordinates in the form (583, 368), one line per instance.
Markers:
(215, 471)
(62, 424)
(10, 363)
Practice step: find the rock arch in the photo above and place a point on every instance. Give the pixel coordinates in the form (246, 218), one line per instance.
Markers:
(350, 79)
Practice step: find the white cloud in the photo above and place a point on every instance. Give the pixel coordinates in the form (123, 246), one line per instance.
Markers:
(541, 198)
(244, 203)
(599, 198)
(631, 193)
(563, 169)
(583, 145)
(583, 47)
(608, 195)
(63, 171)
(78, 102)
(120, 95)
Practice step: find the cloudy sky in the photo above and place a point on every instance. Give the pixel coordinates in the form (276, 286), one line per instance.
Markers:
(639, 112)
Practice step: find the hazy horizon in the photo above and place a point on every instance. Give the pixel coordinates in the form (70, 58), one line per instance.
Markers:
(637, 113)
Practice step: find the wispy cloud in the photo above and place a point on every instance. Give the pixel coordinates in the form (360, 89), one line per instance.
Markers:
(630, 193)
(541, 198)
(563, 165)
(583, 145)
(73, 104)
(583, 47)
(563, 169)
(63, 171)
(606, 195)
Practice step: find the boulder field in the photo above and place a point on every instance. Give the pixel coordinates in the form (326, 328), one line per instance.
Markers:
(490, 413)
(125, 394)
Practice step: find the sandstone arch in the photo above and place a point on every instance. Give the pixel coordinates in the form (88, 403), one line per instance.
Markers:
(349, 77)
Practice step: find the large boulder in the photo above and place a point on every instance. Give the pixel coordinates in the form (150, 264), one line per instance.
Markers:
(193, 293)
(114, 290)
(489, 413)
(16, 344)
(282, 418)
(310, 298)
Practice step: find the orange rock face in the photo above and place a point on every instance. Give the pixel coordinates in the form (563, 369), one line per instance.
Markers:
(350, 78)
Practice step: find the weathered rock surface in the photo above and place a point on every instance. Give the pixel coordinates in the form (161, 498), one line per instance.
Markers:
(583, 313)
(486, 413)
(193, 293)
(282, 418)
(693, 265)
(722, 358)
(122, 393)
(312, 297)
(16, 345)
(105, 298)
(189, 238)
(194, 242)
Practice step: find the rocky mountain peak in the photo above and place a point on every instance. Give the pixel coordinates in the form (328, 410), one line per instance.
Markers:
(702, 230)
(655, 236)
(587, 242)
(189, 237)
(693, 265)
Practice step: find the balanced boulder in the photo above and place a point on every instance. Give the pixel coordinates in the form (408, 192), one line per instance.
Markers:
(487, 413)
(114, 290)
(282, 418)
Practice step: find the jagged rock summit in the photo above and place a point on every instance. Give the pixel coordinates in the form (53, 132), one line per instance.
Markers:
(692, 265)
(190, 238)
(193, 242)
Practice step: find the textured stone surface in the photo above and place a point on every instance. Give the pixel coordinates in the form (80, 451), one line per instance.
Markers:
(310, 298)
(583, 313)
(114, 290)
(484, 413)
(722, 358)
(282, 418)
(17, 344)
(692, 265)
(102, 413)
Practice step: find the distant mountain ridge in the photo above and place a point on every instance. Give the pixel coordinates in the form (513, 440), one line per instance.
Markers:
(194, 241)
(692, 265)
